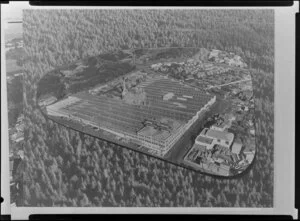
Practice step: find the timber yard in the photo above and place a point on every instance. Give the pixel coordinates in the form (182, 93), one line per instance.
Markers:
(194, 111)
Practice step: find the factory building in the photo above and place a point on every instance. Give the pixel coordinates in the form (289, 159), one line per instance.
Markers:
(211, 137)
(169, 110)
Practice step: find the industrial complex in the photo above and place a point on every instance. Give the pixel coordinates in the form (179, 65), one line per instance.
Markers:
(192, 111)
(166, 111)
(216, 151)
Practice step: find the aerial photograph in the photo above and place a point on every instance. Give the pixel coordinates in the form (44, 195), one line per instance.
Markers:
(142, 108)
(189, 106)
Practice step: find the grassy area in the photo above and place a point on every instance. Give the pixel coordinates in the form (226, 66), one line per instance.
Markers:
(91, 72)
(12, 67)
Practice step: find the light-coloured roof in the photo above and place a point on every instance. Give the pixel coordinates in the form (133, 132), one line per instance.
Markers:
(220, 135)
(147, 131)
(236, 147)
(180, 105)
(168, 95)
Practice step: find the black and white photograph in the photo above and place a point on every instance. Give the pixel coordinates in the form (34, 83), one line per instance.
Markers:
(141, 107)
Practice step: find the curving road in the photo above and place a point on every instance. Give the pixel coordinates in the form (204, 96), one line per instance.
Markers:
(235, 82)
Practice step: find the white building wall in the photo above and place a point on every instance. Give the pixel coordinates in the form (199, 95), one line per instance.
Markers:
(214, 142)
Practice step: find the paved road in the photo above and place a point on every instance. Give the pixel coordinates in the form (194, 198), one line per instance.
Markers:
(235, 82)
(178, 151)
(156, 48)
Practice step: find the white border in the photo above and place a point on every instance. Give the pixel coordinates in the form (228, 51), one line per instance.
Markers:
(284, 129)
(284, 112)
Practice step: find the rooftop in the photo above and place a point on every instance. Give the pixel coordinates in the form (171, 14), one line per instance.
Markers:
(120, 116)
(204, 139)
(201, 147)
(175, 95)
(219, 135)
(168, 96)
(236, 147)
(150, 131)
(173, 123)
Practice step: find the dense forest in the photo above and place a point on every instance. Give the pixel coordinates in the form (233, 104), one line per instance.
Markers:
(67, 168)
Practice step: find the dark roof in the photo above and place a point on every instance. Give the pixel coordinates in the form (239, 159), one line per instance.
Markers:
(204, 139)
(201, 147)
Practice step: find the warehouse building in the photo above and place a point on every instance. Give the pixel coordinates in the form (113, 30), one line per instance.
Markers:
(211, 137)
(170, 108)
